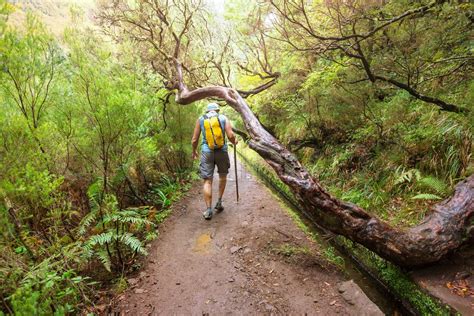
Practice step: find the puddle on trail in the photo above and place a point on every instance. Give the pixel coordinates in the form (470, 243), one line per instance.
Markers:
(203, 243)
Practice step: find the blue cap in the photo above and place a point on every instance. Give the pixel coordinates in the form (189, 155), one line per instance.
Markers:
(212, 107)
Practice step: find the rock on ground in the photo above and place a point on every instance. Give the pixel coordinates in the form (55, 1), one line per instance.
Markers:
(362, 305)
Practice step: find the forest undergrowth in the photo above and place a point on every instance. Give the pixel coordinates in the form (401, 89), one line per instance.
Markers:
(380, 149)
(89, 161)
(94, 149)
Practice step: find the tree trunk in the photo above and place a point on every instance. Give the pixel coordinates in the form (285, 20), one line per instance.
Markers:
(450, 224)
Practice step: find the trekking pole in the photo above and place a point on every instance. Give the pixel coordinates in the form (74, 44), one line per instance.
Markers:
(235, 168)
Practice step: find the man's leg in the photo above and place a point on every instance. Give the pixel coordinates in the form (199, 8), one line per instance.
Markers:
(223, 165)
(207, 171)
(222, 183)
(207, 189)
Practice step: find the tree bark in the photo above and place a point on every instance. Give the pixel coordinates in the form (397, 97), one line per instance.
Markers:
(449, 225)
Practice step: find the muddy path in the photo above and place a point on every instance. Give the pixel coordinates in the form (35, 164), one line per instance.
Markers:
(249, 259)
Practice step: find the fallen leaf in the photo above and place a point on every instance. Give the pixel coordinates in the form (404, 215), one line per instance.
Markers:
(460, 288)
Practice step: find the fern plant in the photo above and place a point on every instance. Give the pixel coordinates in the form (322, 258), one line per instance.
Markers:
(436, 187)
(117, 231)
(406, 176)
(52, 286)
(431, 188)
(434, 184)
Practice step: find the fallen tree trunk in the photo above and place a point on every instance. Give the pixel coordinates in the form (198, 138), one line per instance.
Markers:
(450, 224)
(154, 25)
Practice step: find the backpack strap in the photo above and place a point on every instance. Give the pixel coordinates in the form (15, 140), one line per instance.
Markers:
(220, 124)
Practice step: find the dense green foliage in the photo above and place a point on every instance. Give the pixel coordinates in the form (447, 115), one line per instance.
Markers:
(373, 143)
(93, 149)
(89, 163)
(390, 166)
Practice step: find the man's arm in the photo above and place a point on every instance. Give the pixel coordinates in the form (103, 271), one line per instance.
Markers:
(230, 134)
(195, 140)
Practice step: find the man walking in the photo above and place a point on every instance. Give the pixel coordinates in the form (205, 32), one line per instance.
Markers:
(213, 127)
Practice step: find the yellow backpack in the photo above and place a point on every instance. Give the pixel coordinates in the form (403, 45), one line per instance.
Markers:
(213, 131)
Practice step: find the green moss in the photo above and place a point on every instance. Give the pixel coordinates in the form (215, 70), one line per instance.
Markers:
(397, 280)
(331, 254)
(289, 250)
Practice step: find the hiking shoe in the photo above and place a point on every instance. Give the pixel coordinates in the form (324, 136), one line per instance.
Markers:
(207, 214)
(219, 207)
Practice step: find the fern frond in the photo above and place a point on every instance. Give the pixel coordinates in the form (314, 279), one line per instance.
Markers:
(135, 220)
(407, 176)
(105, 259)
(434, 184)
(87, 221)
(127, 216)
(133, 242)
(88, 252)
(102, 239)
(426, 196)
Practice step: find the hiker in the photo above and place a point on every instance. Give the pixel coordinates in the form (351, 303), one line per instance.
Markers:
(213, 127)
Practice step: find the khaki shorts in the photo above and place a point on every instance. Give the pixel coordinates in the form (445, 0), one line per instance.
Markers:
(209, 160)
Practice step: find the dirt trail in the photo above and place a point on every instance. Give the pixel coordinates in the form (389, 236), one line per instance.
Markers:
(249, 259)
